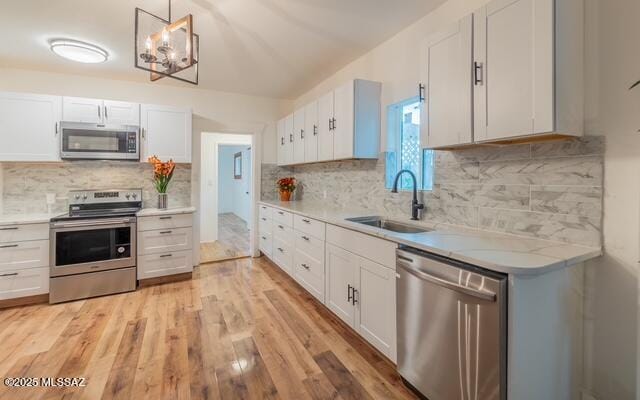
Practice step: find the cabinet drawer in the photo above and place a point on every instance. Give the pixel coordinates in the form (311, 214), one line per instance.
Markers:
(19, 233)
(266, 243)
(309, 226)
(310, 274)
(21, 255)
(265, 225)
(372, 248)
(265, 212)
(283, 232)
(24, 282)
(161, 241)
(168, 263)
(165, 222)
(283, 255)
(311, 245)
(282, 217)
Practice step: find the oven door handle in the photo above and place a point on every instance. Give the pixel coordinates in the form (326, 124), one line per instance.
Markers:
(97, 222)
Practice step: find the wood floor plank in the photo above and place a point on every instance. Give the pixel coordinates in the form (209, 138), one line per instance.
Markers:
(346, 385)
(175, 373)
(319, 387)
(120, 382)
(254, 371)
(202, 382)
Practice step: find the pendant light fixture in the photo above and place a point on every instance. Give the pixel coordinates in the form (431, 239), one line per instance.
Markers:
(166, 48)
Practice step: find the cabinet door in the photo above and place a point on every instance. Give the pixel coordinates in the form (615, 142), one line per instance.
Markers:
(166, 133)
(343, 112)
(311, 132)
(282, 139)
(376, 302)
(325, 134)
(447, 61)
(29, 127)
(121, 113)
(288, 140)
(80, 109)
(513, 47)
(341, 269)
(299, 136)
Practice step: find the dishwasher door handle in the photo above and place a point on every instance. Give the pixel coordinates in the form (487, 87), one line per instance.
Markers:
(484, 295)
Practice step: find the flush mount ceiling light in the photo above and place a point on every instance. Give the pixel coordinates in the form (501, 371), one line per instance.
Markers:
(165, 48)
(76, 50)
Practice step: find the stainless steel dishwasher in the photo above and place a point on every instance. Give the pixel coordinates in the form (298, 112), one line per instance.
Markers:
(452, 331)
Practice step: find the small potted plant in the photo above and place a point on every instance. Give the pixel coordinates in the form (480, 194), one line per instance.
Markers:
(162, 174)
(286, 187)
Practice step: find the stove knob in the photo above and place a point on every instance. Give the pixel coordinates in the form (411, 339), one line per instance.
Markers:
(84, 196)
(135, 196)
(77, 197)
(127, 196)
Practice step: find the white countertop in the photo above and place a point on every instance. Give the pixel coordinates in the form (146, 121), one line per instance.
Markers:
(498, 252)
(148, 212)
(22, 219)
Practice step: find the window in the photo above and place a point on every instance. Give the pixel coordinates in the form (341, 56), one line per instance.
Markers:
(404, 150)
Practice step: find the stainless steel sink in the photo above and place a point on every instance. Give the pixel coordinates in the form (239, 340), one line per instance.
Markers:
(393, 226)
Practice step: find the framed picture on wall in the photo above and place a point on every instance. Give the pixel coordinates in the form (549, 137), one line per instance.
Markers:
(237, 165)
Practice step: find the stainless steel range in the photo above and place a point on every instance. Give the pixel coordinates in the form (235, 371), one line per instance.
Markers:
(93, 247)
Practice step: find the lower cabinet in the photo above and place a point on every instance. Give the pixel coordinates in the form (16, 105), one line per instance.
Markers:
(24, 282)
(363, 294)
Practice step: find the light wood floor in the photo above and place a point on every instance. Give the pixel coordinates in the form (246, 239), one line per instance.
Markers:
(239, 330)
(233, 240)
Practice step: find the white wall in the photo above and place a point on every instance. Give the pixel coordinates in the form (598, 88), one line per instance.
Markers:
(209, 185)
(233, 194)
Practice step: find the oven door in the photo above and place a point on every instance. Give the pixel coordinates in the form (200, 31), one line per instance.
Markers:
(92, 245)
(98, 141)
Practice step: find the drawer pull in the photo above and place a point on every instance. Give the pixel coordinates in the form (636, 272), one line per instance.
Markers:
(165, 232)
(281, 227)
(11, 228)
(264, 238)
(11, 274)
(280, 212)
(166, 255)
(280, 250)
(264, 219)
(169, 217)
(306, 221)
(263, 207)
(6, 246)
(305, 238)
(305, 266)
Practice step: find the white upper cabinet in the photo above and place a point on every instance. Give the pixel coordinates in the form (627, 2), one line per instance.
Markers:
(80, 109)
(325, 122)
(166, 133)
(29, 127)
(447, 56)
(98, 111)
(121, 113)
(311, 132)
(348, 124)
(527, 69)
(299, 137)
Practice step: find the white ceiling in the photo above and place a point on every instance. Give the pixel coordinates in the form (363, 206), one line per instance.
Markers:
(273, 48)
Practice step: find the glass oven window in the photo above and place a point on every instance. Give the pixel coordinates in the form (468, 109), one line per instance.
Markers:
(88, 246)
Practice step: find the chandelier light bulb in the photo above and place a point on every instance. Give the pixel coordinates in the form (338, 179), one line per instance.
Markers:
(147, 44)
(165, 37)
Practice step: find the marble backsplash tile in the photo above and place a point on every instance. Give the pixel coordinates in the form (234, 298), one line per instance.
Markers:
(550, 190)
(25, 184)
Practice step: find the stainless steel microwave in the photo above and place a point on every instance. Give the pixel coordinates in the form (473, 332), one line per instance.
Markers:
(85, 141)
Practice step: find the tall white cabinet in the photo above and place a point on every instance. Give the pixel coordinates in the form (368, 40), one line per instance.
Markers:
(29, 127)
(343, 124)
(166, 132)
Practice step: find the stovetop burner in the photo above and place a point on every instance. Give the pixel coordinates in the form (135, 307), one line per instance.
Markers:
(94, 204)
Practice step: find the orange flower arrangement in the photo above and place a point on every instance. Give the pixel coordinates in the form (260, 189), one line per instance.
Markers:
(162, 173)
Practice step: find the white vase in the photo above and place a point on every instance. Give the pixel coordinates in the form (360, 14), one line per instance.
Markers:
(163, 201)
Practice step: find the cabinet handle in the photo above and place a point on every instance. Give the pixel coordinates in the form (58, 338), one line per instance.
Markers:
(56, 129)
(105, 113)
(421, 90)
(305, 266)
(166, 255)
(354, 296)
(301, 133)
(264, 238)
(291, 137)
(12, 228)
(99, 112)
(349, 297)
(165, 232)
(281, 227)
(315, 130)
(334, 124)
(280, 249)
(264, 219)
(282, 141)
(306, 220)
(143, 131)
(6, 246)
(330, 124)
(281, 212)
(169, 217)
(477, 73)
(305, 238)
(11, 274)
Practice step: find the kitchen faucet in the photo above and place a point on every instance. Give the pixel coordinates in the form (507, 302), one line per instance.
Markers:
(415, 206)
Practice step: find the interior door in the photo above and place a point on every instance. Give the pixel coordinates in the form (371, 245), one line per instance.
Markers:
(166, 132)
(376, 303)
(299, 136)
(446, 72)
(513, 47)
(80, 109)
(280, 149)
(29, 127)
(325, 133)
(121, 112)
(311, 132)
(341, 270)
(288, 140)
(343, 121)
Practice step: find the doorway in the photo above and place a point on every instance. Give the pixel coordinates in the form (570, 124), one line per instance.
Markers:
(226, 197)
